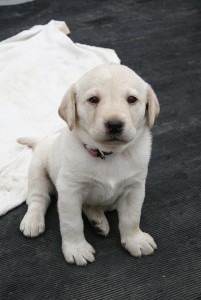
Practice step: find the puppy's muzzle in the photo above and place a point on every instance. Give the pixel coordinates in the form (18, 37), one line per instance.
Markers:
(114, 126)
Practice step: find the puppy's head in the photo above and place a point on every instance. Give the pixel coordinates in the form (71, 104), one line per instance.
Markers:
(110, 103)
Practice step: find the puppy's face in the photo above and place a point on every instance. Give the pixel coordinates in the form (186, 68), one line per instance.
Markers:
(110, 103)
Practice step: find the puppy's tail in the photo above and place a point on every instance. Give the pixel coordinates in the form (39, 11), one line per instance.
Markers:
(30, 142)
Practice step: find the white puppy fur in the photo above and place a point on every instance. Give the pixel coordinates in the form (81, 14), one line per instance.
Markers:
(111, 109)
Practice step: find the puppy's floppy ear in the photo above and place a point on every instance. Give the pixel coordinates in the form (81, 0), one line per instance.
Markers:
(153, 107)
(67, 109)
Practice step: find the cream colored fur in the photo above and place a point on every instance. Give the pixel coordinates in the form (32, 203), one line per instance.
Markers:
(89, 183)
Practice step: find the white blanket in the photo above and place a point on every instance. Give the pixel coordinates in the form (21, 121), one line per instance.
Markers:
(36, 68)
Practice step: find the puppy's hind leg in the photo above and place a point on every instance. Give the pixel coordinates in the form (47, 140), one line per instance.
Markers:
(39, 188)
(97, 218)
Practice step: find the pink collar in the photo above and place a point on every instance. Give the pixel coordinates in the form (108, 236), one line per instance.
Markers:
(96, 152)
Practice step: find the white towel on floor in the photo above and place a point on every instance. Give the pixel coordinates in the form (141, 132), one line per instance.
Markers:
(36, 68)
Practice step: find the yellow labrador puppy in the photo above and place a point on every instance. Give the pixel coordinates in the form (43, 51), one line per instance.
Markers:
(98, 162)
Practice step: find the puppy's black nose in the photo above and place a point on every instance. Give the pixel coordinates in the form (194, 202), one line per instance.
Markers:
(114, 126)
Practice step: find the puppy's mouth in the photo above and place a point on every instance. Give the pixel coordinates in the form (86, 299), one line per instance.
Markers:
(113, 139)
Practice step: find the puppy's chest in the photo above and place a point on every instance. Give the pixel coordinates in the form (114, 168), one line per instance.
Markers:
(103, 193)
(105, 189)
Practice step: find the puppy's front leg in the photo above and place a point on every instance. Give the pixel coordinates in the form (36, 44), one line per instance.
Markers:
(138, 243)
(74, 245)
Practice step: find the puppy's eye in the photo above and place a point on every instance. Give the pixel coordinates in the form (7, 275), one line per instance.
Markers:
(131, 99)
(94, 100)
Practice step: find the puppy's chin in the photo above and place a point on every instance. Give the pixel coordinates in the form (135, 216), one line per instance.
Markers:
(104, 142)
(114, 141)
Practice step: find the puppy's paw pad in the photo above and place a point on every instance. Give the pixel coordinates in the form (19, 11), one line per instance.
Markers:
(33, 224)
(140, 243)
(78, 253)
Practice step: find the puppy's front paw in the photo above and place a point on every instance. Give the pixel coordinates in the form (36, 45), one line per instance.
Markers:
(78, 253)
(139, 243)
(33, 223)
